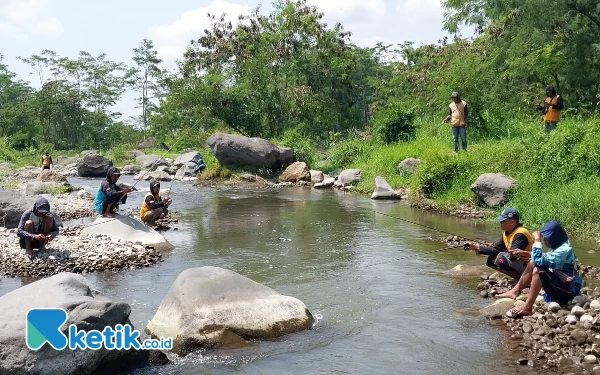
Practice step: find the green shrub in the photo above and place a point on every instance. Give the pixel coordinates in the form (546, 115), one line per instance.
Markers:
(394, 124)
(304, 149)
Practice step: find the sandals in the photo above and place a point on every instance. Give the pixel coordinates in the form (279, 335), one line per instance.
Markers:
(516, 313)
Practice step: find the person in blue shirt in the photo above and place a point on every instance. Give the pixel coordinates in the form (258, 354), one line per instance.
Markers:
(109, 194)
(555, 271)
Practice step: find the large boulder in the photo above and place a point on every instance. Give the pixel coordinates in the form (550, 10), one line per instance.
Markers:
(12, 205)
(239, 151)
(316, 176)
(131, 169)
(214, 307)
(186, 170)
(188, 157)
(87, 308)
(383, 190)
(493, 188)
(297, 171)
(126, 228)
(93, 165)
(151, 161)
(151, 142)
(347, 177)
(167, 169)
(49, 175)
(408, 166)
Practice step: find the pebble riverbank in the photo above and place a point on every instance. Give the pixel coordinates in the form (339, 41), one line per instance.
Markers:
(72, 251)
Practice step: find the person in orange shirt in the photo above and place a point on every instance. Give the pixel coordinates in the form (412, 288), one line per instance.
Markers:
(551, 109)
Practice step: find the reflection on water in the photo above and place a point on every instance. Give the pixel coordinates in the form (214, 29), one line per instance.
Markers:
(373, 280)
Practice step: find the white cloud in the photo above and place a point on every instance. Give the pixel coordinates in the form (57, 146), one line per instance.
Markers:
(170, 40)
(22, 19)
(420, 10)
(352, 12)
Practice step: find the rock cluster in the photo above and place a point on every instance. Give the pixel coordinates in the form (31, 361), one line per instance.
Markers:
(73, 252)
(554, 336)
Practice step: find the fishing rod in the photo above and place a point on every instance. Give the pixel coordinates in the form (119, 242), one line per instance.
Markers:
(429, 227)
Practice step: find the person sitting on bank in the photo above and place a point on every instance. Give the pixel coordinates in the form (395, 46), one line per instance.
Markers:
(555, 271)
(37, 227)
(511, 253)
(153, 207)
(109, 194)
(46, 161)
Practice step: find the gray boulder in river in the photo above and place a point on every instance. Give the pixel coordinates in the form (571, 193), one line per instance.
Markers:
(240, 151)
(211, 307)
(93, 165)
(87, 308)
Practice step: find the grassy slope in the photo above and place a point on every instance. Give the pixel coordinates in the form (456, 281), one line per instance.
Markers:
(557, 174)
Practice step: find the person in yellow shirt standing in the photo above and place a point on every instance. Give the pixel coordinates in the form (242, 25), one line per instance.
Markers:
(551, 109)
(458, 116)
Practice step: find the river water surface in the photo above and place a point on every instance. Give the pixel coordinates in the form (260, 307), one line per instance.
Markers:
(374, 283)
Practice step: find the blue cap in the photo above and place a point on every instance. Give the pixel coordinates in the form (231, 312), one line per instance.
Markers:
(508, 213)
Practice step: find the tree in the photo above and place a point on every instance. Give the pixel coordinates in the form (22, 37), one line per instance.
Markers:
(145, 78)
(540, 41)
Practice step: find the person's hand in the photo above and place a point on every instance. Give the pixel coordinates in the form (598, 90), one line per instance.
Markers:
(49, 238)
(537, 237)
(39, 237)
(471, 246)
(446, 120)
(519, 252)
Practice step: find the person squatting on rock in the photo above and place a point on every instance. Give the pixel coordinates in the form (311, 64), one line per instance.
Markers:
(511, 253)
(551, 109)
(458, 115)
(554, 271)
(37, 227)
(46, 161)
(153, 207)
(109, 194)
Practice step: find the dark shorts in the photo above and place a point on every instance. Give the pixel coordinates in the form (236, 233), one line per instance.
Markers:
(507, 261)
(36, 243)
(46, 167)
(108, 201)
(558, 290)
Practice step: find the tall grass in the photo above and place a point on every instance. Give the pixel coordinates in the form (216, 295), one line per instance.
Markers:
(558, 174)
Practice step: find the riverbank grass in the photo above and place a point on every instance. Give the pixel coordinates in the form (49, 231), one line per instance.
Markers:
(557, 174)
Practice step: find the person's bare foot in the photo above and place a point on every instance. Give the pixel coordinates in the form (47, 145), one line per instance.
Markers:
(509, 294)
(30, 254)
(108, 214)
(518, 312)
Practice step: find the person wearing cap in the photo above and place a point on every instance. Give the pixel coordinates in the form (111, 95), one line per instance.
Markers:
(458, 115)
(511, 253)
(109, 194)
(554, 271)
(153, 207)
(551, 109)
(37, 227)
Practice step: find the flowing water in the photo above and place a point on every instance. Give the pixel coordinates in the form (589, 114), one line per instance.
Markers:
(374, 283)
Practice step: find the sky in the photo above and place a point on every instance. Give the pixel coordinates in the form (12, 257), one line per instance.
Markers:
(27, 27)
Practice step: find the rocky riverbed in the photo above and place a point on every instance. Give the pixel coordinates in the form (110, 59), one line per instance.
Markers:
(72, 251)
(558, 337)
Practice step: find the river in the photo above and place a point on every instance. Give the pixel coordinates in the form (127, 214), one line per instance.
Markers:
(374, 283)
